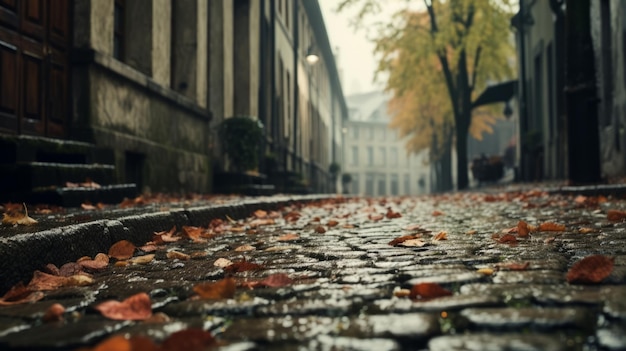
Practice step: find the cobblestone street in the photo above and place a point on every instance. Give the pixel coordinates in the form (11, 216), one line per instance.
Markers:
(339, 281)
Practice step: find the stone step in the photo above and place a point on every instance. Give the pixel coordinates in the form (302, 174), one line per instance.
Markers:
(24, 148)
(74, 197)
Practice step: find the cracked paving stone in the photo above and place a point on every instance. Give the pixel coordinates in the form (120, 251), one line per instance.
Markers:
(504, 342)
(537, 317)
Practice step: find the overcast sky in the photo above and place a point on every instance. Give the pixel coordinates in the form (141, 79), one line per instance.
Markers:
(356, 61)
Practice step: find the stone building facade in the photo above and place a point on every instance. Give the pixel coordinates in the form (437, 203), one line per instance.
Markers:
(152, 79)
(375, 157)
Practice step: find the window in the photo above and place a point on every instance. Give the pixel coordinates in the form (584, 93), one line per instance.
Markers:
(382, 184)
(369, 184)
(422, 184)
(393, 156)
(382, 134)
(382, 156)
(118, 29)
(394, 184)
(370, 156)
(354, 132)
(355, 156)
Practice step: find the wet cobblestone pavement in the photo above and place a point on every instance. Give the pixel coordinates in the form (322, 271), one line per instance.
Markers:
(329, 279)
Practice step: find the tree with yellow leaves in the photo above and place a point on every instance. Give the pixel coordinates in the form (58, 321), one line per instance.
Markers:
(450, 48)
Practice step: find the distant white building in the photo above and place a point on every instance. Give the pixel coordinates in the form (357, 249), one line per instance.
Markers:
(375, 156)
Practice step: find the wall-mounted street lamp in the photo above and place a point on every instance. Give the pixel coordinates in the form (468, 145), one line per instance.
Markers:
(311, 56)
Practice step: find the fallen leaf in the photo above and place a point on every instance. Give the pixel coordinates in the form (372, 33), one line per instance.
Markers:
(145, 259)
(260, 222)
(244, 248)
(551, 227)
(242, 266)
(428, 291)
(523, 229)
(260, 214)
(402, 293)
(122, 250)
(276, 281)
(189, 340)
(397, 241)
(441, 236)
(486, 271)
(115, 342)
(437, 213)
(222, 262)
(332, 223)
(412, 243)
(193, 233)
(376, 217)
(70, 268)
(392, 214)
(18, 218)
(320, 229)
(590, 270)
(54, 313)
(288, 237)
(136, 307)
(19, 294)
(177, 255)
(99, 263)
(222, 289)
(587, 230)
(471, 232)
(165, 236)
(616, 215)
(148, 248)
(413, 227)
(43, 281)
(158, 318)
(508, 239)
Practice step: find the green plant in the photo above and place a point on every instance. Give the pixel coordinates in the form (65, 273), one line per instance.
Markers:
(334, 169)
(240, 137)
(346, 178)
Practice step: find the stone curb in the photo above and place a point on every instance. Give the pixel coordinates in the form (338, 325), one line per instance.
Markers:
(24, 253)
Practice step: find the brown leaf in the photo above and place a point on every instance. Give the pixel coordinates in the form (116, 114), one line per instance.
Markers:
(616, 215)
(193, 233)
(513, 266)
(522, 229)
(320, 229)
(136, 307)
(332, 223)
(222, 289)
(428, 291)
(122, 250)
(590, 270)
(391, 214)
(288, 237)
(222, 262)
(551, 227)
(260, 214)
(508, 239)
(437, 213)
(99, 263)
(115, 342)
(244, 248)
(44, 281)
(18, 218)
(441, 236)
(412, 243)
(145, 259)
(70, 268)
(397, 241)
(177, 255)
(276, 281)
(242, 266)
(193, 339)
(376, 217)
(163, 237)
(260, 222)
(20, 294)
(54, 313)
(587, 230)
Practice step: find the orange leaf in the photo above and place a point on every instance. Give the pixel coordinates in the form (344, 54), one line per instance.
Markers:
(616, 215)
(122, 250)
(116, 342)
(508, 239)
(54, 313)
(189, 340)
(100, 262)
(193, 233)
(20, 294)
(222, 289)
(428, 291)
(441, 236)
(173, 255)
(437, 213)
(401, 239)
(165, 237)
(591, 269)
(260, 214)
(551, 227)
(136, 307)
(18, 218)
(522, 228)
(261, 221)
(45, 281)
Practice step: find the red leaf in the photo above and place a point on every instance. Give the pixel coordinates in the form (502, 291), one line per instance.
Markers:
(193, 339)
(54, 313)
(20, 294)
(590, 270)
(522, 228)
(276, 281)
(136, 307)
(616, 215)
(320, 229)
(223, 289)
(391, 214)
(428, 291)
(122, 250)
(242, 266)
(508, 239)
(100, 262)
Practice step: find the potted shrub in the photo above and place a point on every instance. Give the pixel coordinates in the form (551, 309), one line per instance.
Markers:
(240, 137)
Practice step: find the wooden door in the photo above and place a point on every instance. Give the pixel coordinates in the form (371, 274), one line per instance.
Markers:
(34, 45)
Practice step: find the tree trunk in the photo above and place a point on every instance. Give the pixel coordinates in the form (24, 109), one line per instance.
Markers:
(462, 180)
(446, 169)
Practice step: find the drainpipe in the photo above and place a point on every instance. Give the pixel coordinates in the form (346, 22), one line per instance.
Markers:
(296, 90)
